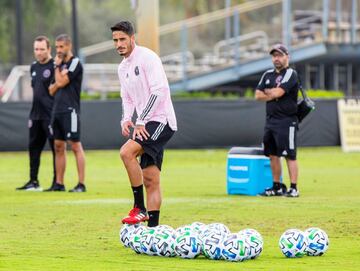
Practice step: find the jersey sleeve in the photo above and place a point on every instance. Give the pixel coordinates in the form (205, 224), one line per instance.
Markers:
(128, 106)
(289, 81)
(31, 76)
(261, 84)
(157, 81)
(75, 69)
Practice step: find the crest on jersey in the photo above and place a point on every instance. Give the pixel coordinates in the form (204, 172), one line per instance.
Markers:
(278, 79)
(46, 73)
(136, 70)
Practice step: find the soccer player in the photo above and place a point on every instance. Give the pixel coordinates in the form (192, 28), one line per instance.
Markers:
(278, 87)
(42, 72)
(65, 121)
(144, 88)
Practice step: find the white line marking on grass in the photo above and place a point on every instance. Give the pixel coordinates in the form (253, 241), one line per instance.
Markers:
(128, 201)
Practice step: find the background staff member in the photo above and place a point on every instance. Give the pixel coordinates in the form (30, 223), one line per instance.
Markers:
(279, 88)
(65, 116)
(42, 73)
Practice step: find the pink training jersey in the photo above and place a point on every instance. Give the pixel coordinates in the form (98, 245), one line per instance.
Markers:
(145, 88)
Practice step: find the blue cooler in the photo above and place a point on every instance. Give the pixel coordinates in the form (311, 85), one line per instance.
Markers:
(248, 171)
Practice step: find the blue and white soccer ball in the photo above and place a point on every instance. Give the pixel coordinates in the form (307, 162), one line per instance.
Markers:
(147, 241)
(293, 243)
(255, 242)
(212, 244)
(134, 239)
(164, 241)
(318, 242)
(126, 232)
(219, 227)
(214, 227)
(235, 248)
(187, 245)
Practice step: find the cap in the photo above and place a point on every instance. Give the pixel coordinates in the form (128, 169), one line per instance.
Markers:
(279, 48)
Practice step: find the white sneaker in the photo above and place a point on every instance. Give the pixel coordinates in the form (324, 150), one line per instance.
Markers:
(293, 193)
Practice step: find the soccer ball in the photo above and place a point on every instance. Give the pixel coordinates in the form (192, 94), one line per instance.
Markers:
(164, 241)
(134, 240)
(254, 240)
(235, 248)
(212, 244)
(318, 241)
(126, 232)
(219, 227)
(198, 227)
(147, 241)
(214, 227)
(187, 245)
(293, 243)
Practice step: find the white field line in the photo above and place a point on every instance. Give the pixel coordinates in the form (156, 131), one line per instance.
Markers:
(128, 201)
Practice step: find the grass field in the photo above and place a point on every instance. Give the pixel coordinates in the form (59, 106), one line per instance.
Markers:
(64, 231)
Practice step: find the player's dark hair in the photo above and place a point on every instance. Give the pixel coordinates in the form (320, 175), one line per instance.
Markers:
(124, 26)
(64, 37)
(43, 38)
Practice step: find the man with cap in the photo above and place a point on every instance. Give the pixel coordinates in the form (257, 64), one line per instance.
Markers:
(278, 87)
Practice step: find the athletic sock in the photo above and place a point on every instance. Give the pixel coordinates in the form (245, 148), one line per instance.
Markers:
(139, 197)
(293, 185)
(276, 185)
(153, 218)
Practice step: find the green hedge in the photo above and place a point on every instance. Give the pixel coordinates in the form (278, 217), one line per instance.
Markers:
(206, 95)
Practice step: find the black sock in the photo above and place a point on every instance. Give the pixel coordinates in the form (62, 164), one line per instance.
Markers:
(276, 185)
(293, 185)
(139, 197)
(153, 218)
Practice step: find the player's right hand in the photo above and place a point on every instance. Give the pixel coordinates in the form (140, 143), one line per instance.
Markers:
(125, 128)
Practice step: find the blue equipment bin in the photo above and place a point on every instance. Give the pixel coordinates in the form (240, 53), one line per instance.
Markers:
(248, 171)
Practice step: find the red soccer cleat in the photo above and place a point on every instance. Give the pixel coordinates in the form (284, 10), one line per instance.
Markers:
(135, 216)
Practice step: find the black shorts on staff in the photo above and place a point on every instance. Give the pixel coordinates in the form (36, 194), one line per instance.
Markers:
(280, 138)
(66, 126)
(153, 147)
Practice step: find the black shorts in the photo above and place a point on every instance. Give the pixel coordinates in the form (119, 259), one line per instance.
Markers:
(153, 147)
(66, 126)
(280, 138)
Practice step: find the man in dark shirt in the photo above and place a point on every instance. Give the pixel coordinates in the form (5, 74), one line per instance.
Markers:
(42, 72)
(279, 88)
(65, 122)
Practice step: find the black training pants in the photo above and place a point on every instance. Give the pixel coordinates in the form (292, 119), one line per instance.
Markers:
(39, 132)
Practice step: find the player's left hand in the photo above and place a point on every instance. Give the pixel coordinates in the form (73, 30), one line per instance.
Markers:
(140, 132)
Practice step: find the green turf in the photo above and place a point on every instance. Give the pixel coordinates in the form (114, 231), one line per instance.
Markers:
(63, 231)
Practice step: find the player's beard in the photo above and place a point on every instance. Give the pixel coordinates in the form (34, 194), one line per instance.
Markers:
(128, 51)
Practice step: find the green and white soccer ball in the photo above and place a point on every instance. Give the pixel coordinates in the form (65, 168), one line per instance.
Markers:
(293, 243)
(126, 232)
(254, 240)
(164, 241)
(187, 245)
(134, 240)
(318, 242)
(147, 241)
(235, 248)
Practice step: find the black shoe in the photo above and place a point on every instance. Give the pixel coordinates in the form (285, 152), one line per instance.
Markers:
(56, 187)
(78, 188)
(30, 186)
(271, 192)
(51, 187)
